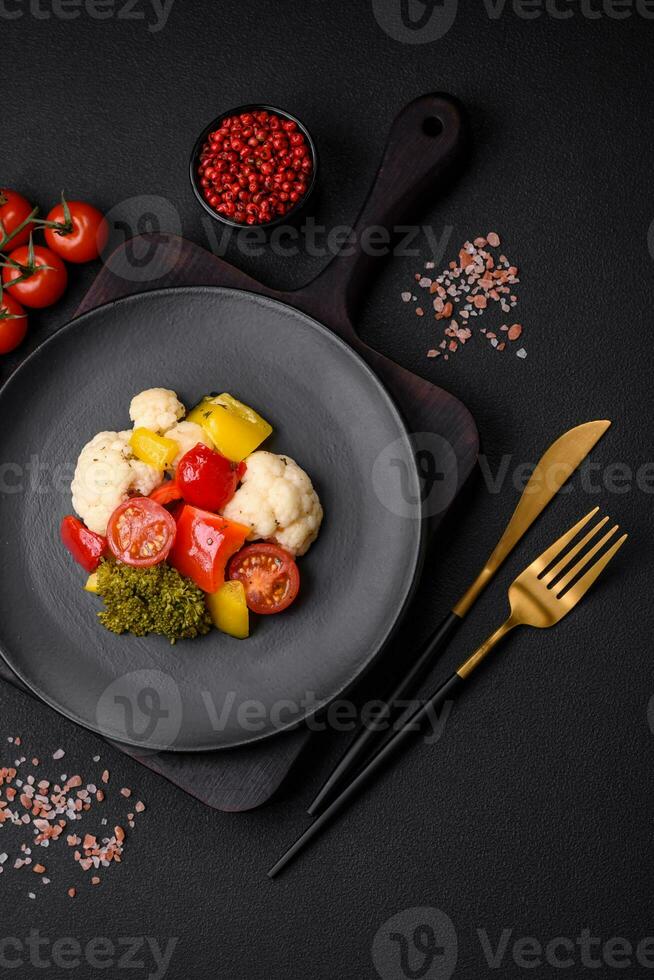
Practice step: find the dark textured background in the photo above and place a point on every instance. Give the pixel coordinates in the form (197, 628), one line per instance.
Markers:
(534, 813)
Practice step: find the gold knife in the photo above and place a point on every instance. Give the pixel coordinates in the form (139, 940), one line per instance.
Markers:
(553, 470)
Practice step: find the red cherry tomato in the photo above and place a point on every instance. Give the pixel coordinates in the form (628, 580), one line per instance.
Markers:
(167, 493)
(86, 547)
(14, 209)
(270, 576)
(203, 546)
(140, 532)
(45, 276)
(82, 234)
(207, 479)
(13, 323)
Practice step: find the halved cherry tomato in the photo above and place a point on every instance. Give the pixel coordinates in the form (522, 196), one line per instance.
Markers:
(270, 576)
(86, 547)
(204, 544)
(81, 234)
(206, 478)
(140, 532)
(13, 323)
(166, 493)
(14, 211)
(37, 277)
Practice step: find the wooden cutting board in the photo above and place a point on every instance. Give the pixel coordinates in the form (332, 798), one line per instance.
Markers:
(425, 145)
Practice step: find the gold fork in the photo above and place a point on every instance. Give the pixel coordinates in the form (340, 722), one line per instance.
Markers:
(541, 596)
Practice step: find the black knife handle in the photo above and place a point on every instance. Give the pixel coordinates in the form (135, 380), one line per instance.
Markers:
(368, 735)
(413, 724)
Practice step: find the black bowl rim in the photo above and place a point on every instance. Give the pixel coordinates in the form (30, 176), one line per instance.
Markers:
(252, 107)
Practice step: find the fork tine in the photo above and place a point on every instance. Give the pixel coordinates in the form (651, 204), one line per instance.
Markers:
(572, 573)
(582, 586)
(541, 563)
(567, 558)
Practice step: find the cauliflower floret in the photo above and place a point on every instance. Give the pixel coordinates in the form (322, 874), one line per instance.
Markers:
(107, 474)
(156, 409)
(277, 500)
(187, 435)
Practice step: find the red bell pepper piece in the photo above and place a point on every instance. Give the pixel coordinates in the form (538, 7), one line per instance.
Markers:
(203, 545)
(206, 478)
(166, 493)
(86, 547)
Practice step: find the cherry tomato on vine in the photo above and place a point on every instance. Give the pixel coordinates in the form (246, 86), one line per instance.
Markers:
(81, 233)
(13, 323)
(35, 276)
(14, 210)
(270, 577)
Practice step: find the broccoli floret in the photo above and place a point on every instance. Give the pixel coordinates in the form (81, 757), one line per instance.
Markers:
(151, 600)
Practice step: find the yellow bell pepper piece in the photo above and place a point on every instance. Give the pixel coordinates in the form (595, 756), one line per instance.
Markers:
(229, 611)
(153, 449)
(235, 428)
(92, 584)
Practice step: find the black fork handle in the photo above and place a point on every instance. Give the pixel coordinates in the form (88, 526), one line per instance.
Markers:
(368, 735)
(446, 692)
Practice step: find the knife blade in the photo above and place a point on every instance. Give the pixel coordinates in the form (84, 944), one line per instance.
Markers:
(555, 467)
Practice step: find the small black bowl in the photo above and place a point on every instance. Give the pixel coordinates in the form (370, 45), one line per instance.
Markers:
(293, 213)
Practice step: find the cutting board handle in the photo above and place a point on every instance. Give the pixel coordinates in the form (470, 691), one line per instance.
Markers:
(425, 142)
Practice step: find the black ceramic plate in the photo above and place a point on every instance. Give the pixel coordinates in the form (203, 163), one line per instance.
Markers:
(330, 413)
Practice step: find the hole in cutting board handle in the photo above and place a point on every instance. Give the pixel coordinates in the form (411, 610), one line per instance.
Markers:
(432, 126)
